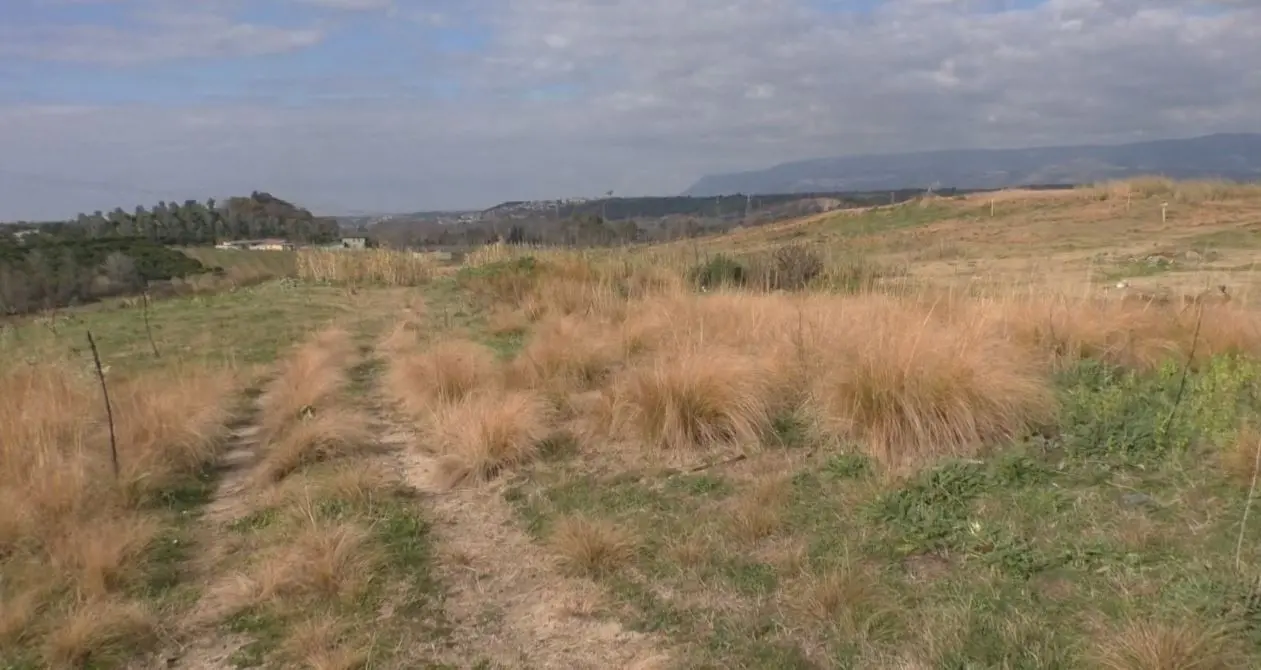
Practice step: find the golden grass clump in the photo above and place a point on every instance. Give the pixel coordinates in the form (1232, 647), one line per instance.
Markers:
(332, 560)
(1192, 191)
(165, 427)
(381, 267)
(304, 418)
(491, 429)
(308, 379)
(694, 399)
(331, 433)
(1145, 645)
(1241, 459)
(570, 352)
(446, 372)
(75, 541)
(591, 547)
(321, 644)
(100, 631)
(756, 514)
(1067, 330)
(911, 388)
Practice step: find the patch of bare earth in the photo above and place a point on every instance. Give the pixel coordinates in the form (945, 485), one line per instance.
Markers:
(506, 597)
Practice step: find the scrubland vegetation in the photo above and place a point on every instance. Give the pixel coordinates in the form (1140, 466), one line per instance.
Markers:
(90, 556)
(811, 445)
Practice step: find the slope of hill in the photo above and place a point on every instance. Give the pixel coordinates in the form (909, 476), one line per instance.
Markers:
(1228, 156)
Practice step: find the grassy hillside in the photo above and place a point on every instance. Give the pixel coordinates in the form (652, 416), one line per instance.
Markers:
(935, 435)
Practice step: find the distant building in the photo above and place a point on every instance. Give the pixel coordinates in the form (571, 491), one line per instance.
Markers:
(270, 244)
(354, 242)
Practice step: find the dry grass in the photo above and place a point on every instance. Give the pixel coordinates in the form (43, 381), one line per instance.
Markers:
(758, 514)
(321, 644)
(325, 560)
(1186, 192)
(304, 417)
(912, 377)
(446, 372)
(1241, 459)
(858, 392)
(377, 267)
(491, 429)
(695, 399)
(310, 378)
(332, 433)
(75, 541)
(568, 352)
(592, 547)
(99, 631)
(1187, 645)
(912, 387)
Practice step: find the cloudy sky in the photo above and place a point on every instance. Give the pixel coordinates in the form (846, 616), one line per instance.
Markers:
(388, 105)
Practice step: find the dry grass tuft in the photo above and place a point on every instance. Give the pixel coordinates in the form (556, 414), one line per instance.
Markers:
(912, 388)
(73, 538)
(381, 267)
(1143, 645)
(309, 379)
(837, 596)
(331, 560)
(695, 399)
(756, 515)
(592, 547)
(447, 373)
(332, 433)
(1240, 459)
(303, 420)
(489, 430)
(99, 631)
(568, 352)
(167, 427)
(321, 644)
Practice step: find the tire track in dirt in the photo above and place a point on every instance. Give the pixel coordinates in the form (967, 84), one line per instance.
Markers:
(198, 645)
(505, 598)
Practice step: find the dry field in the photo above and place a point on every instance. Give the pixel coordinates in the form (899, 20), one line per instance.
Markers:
(936, 435)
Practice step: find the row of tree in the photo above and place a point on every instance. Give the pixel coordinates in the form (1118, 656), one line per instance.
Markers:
(194, 223)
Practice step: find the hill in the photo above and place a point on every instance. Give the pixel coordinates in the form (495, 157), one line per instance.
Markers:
(596, 221)
(901, 437)
(1224, 156)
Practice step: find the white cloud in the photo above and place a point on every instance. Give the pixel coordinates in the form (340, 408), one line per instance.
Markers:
(160, 34)
(349, 5)
(665, 91)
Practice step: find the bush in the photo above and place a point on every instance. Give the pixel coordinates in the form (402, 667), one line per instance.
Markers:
(721, 270)
(502, 281)
(57, 273)
(1136, 416)
(854, 275)
(789, 268)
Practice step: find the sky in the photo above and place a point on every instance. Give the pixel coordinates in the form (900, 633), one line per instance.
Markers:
(358, 106)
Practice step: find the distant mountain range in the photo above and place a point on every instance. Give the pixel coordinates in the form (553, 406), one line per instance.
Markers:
(1229, 156)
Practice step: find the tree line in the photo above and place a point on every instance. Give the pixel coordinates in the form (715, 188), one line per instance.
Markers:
(193, 223)
(93, 256)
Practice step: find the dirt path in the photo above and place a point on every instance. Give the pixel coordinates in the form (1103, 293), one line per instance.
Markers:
(507, 602)
(198, 644)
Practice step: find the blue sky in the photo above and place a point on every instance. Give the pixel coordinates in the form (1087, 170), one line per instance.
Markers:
(383, 105)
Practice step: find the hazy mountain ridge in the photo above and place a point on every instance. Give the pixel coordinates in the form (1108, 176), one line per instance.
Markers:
(1225, 155)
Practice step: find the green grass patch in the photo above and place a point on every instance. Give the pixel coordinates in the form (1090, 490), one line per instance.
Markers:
(1244, 237)
(246, 326)
(402, 581)
(887, 219)
(1019, 559)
